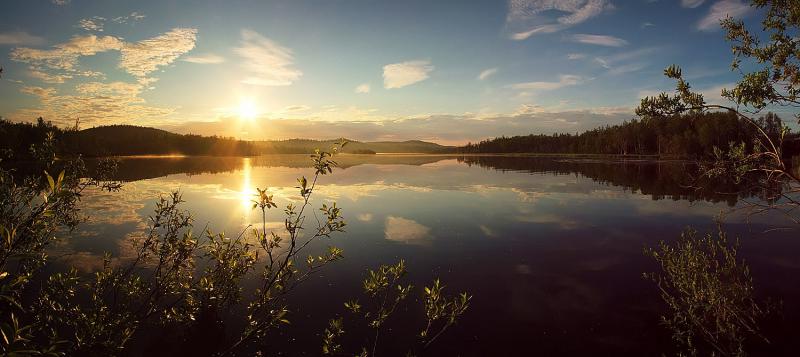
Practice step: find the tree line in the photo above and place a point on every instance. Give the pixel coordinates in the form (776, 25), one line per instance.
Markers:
(691, 135)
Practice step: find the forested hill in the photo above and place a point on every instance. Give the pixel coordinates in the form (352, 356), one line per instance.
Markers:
(125, 140)
(133, 140)
(687, 136)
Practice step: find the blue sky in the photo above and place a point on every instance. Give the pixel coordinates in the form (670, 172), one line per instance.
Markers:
(445, 71)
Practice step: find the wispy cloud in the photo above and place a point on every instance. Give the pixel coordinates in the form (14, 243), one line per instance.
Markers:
(626, 68)
(38, 91)
(97, 23)
(486, 73)
(399, 75)
(19, 38)
(599, 40)
(132, 18)
(94, 24)
(363, 88)
(144, 57)
(564, 80)
(60, 2)
(536, 30)
(296, 108)
(692, 3)
(576, 56)
(631, 55)
(626, 62)
(269, 63)
(719, 11)
(529, 17)
(208, 58)
(48, 78)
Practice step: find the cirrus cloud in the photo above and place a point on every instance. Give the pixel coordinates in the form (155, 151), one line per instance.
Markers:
(487, 73)
(536, 30)
(269, 63)
(208, 58)
(564, 80)
(599, 40)
(719, 11)
(692, 3)
(528, 17)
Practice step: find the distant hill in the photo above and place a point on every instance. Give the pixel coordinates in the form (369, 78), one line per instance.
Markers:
(128, 140)
(302, 146)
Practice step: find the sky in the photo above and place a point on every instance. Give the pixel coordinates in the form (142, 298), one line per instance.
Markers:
(444, 71)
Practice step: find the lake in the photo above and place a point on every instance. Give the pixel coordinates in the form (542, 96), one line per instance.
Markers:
(551, 248)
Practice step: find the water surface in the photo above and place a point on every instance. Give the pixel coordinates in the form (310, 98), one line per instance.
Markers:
(551, 248)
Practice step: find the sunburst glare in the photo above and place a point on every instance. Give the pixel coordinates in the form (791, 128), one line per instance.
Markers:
(248, 110)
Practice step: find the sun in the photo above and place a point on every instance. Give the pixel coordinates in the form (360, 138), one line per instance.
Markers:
(247, 110)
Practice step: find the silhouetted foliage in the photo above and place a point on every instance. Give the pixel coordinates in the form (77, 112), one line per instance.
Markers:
(18, 138)
(709, 292)
(707, 288)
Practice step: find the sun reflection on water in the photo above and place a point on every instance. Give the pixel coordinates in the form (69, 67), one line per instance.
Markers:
(247, 192)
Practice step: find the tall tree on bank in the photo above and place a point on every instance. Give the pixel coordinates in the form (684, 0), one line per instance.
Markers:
(775, 82)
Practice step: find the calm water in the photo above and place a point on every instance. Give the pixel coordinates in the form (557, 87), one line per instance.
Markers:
(550, 248)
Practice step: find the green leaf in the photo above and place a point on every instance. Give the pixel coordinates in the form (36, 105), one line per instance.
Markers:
(50, 181)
